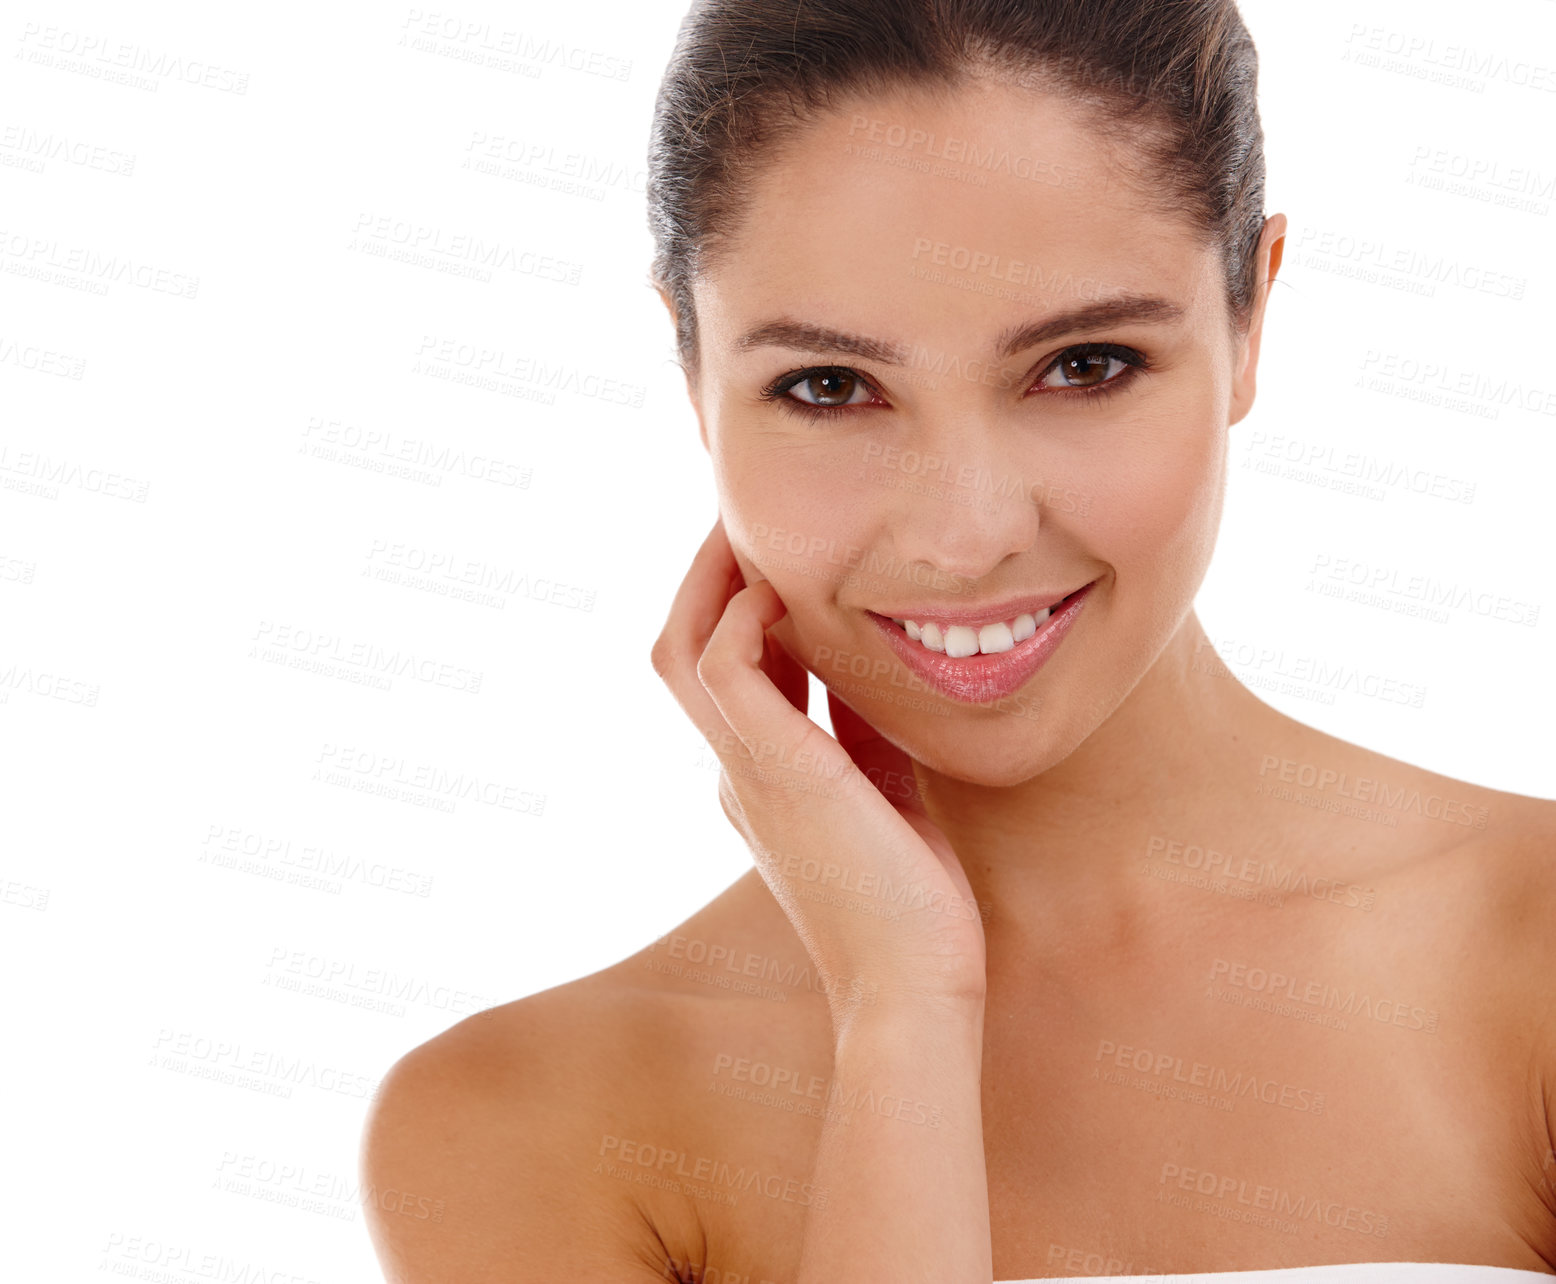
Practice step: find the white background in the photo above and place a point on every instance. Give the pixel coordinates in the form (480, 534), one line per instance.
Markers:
(162, 773)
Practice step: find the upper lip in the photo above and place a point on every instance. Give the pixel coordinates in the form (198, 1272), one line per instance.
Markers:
(1005, 609)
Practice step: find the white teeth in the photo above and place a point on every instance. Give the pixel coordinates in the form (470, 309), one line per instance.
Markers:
(995, 637)
(960, 640)
(1027, 625)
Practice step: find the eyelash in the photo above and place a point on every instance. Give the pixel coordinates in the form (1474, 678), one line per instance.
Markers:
(1135, 362)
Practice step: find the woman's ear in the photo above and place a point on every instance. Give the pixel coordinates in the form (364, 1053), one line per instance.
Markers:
(1272, 245)
(692, 391)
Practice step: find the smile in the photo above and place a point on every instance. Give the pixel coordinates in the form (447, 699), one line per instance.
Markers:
(977, 663)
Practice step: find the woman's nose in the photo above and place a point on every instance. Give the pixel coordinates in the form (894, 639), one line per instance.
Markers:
(959, 504)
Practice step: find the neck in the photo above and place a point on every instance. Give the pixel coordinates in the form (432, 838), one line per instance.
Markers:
(1178, 760)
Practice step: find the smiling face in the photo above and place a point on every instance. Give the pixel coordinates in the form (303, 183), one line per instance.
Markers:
(929, 391)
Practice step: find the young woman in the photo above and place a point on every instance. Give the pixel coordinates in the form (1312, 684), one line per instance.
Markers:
(968, 294)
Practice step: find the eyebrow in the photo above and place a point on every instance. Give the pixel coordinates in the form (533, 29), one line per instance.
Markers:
(803, 336)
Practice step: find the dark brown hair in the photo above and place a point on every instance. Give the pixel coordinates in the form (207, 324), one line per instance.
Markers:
(1174, 79)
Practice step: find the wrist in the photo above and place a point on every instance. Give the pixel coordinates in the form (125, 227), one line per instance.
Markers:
(910, 1018)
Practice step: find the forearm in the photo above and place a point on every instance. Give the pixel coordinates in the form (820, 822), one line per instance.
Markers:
(900, 1164)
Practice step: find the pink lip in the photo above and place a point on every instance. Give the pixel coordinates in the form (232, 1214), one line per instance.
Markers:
(979, 679)
(1006, 610)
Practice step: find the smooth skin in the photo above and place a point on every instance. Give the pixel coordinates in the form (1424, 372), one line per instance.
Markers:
(1092, 1070)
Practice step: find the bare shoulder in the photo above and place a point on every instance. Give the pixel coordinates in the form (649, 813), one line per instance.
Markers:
(1518, 857)
(1465, 908)
(1486, 901)
(485, 1154)
(1521, 935)
(569, 1134)
(1488, 856)
(1468, 872)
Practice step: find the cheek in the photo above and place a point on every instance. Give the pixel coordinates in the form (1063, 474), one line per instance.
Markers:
(1158, 504)
(795, 513)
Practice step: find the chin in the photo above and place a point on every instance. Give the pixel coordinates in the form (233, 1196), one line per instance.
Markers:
(995, 746)
(993, 756)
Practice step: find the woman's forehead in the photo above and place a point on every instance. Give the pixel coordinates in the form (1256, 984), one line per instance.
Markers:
(1023, 219)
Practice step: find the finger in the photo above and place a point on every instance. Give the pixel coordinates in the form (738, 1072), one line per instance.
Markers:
(887, 767)
(694, 613)
(706, 587)
(787, 673)
(763, 718)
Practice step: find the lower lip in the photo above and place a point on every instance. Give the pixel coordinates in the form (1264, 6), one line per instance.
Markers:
(978, 679)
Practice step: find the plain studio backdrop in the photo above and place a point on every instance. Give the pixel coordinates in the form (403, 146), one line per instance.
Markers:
(331, 555)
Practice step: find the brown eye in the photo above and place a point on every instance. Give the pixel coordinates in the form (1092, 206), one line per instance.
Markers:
(1085, 369)
(1090, 367)
(834, 387)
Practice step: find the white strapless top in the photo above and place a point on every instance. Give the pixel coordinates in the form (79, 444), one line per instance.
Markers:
(1338, 1273)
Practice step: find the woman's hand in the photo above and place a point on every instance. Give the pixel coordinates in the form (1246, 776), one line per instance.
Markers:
(836, 826)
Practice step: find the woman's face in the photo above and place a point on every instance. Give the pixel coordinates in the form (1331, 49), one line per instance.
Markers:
(963, 475)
